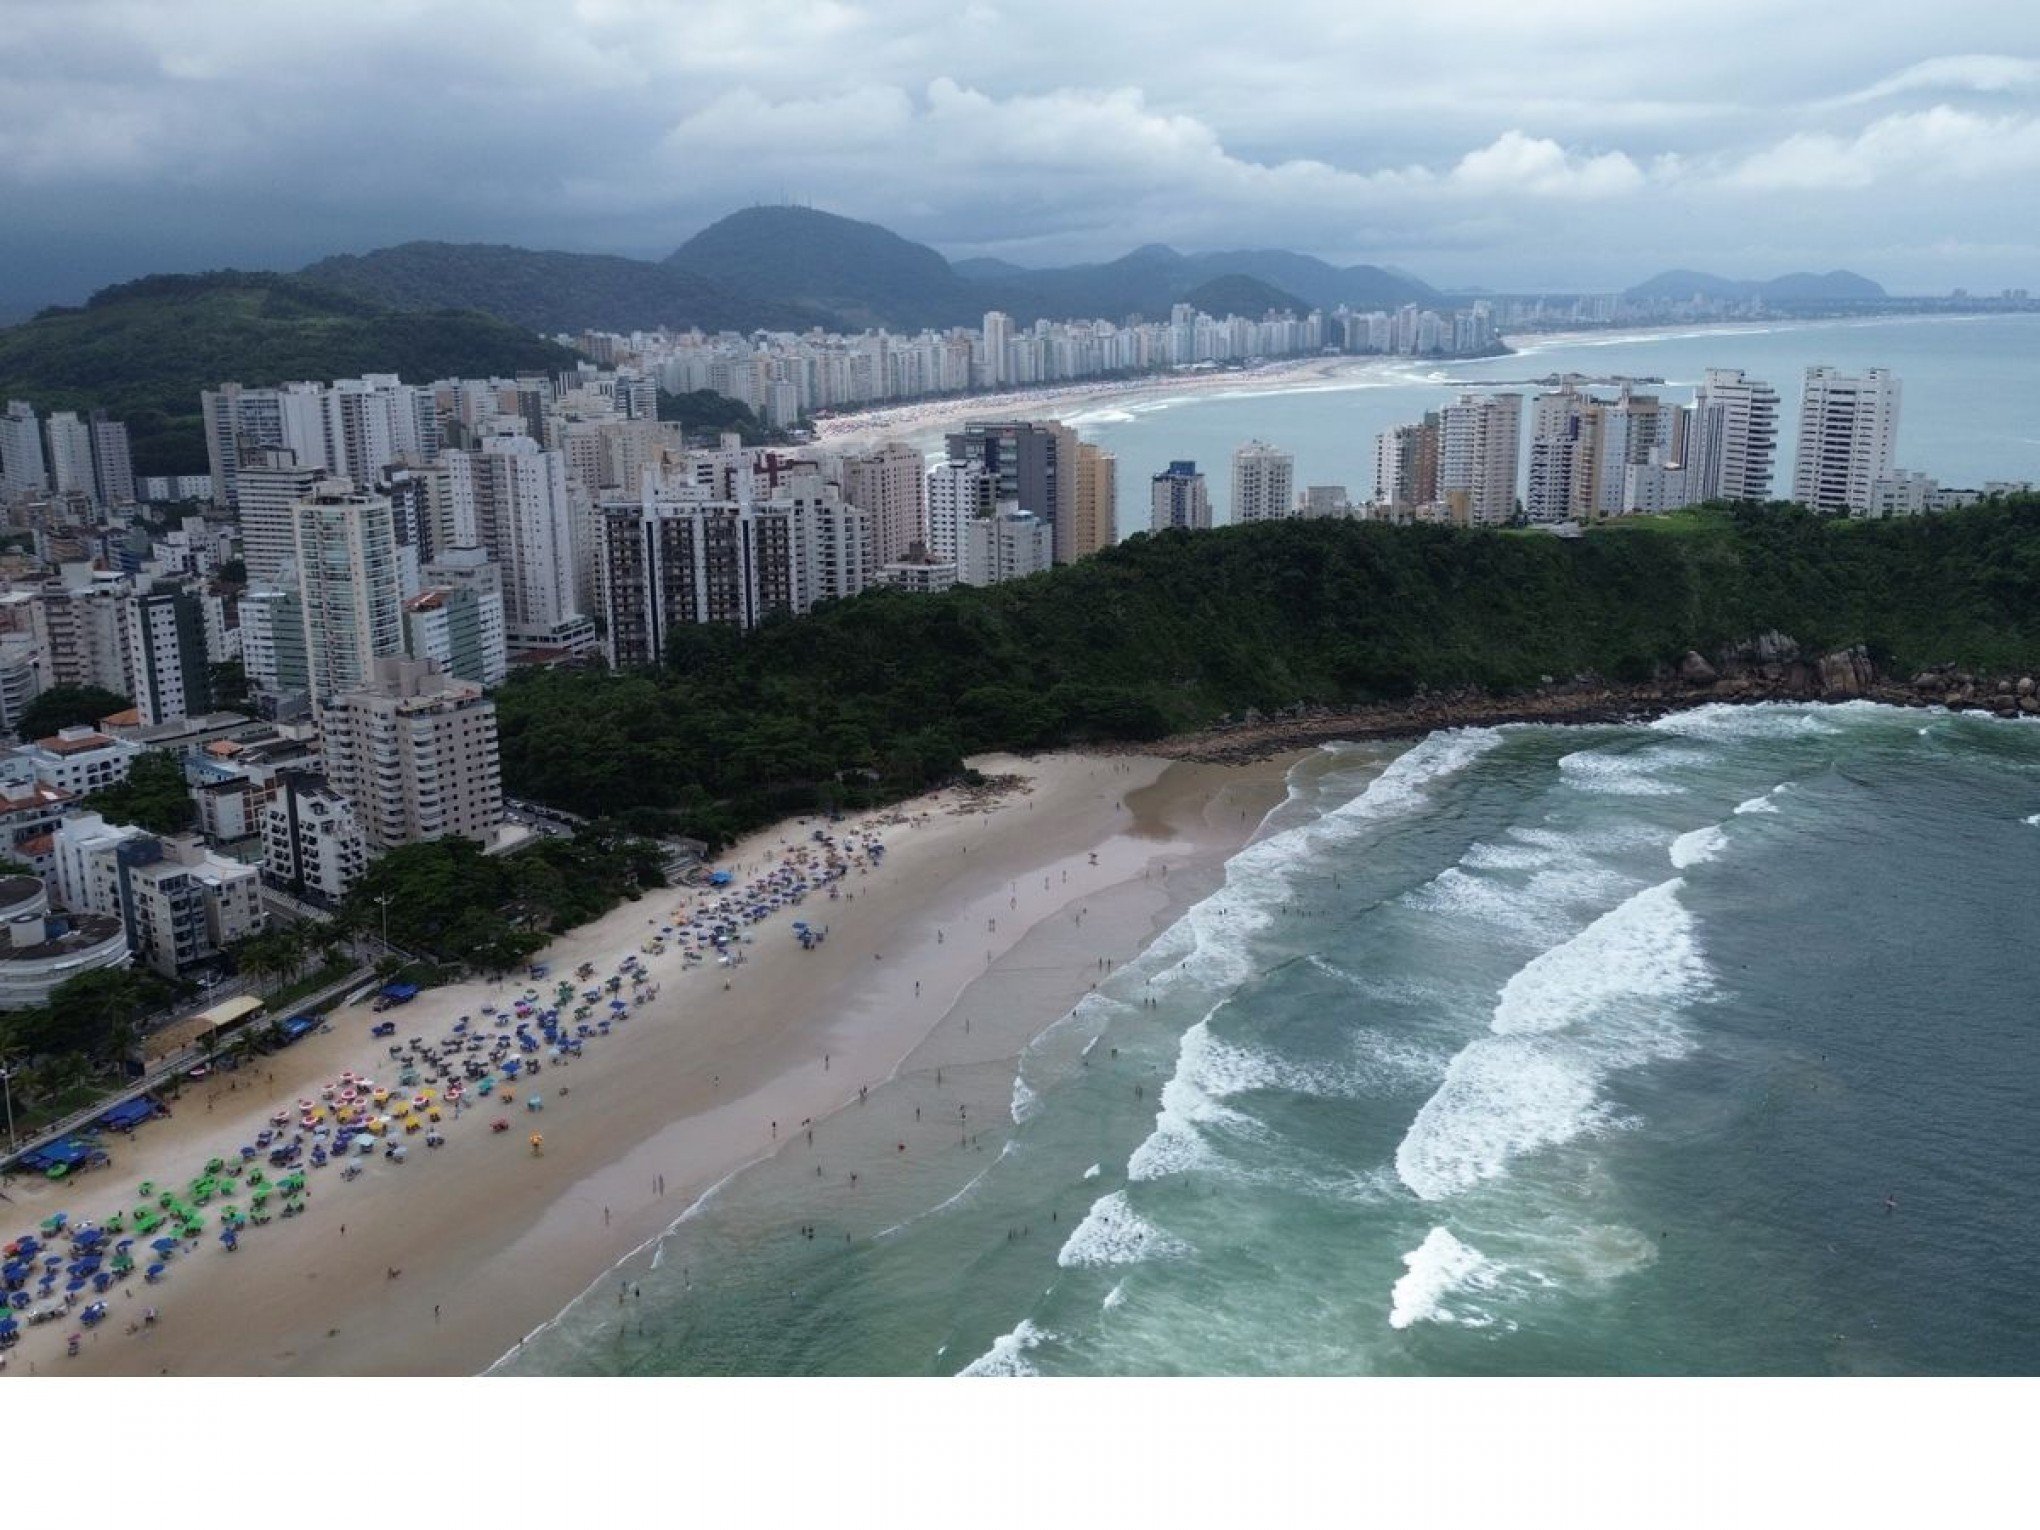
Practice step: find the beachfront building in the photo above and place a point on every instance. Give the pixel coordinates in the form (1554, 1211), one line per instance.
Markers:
(1033, 464)
(312, 842)
(1478, 447)
(1733, 437)
(1095, 525)
(958, 493)
(40, 950)
(890, 485)
(1406, 465)
(414, 749)
(1848, 431)
(1009, 545)
(730, 542)
(349, 585)
(1177, 499)
(180, 903)
(1263, 484)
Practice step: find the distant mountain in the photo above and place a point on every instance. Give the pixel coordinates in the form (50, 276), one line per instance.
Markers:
(866, 275)
(1799, 286)
(553, 291)
(985, 268)
(1243, 295)
(1151, 279)
(146, 349)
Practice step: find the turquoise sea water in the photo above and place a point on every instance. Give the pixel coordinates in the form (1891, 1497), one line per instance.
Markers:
(1966, 414)
(1706, 1045)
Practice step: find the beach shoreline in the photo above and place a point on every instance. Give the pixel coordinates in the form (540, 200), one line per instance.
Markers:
(443, 1264)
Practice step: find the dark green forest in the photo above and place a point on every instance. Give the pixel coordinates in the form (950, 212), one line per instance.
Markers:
(879, 696)
(145, 350)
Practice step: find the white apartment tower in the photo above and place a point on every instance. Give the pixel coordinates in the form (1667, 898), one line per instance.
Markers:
(510, 499)
(1263, 484)
(1479, 440)
(349, 585)
(70, 454)
(21, 452)
(415, 751)
(1848, 427)
(1733, 437)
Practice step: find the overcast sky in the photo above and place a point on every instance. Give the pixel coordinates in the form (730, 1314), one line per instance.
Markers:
(1516, 146)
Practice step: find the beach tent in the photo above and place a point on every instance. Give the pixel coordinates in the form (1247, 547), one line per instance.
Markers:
(128, 1113)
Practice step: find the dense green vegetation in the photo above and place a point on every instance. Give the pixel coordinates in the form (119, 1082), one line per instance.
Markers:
(552, 291)
(1242, 295)
(91, 1021)
(155, 796)
(457, 907)
(879, 696)
(145, 350)
(68, 706)
(708, 411)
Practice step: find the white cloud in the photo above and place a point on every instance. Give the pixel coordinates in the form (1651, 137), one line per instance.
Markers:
(1982, 72)
(1939, 145)
(1517, 163)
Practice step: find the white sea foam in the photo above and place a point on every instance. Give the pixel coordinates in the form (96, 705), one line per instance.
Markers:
(1769, 719)
(1008, 1354)
(2034, 820)
(1025, 1101)
(1437, 1269)
(1608, 998)
(1699, 845)
(1113, 1233)
(1092, 1172)
(1624, 775)
(1115, 1296)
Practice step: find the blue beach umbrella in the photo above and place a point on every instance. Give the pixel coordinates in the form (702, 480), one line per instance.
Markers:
(163, 1245)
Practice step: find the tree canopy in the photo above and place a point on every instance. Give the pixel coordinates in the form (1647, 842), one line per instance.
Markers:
(68, 706)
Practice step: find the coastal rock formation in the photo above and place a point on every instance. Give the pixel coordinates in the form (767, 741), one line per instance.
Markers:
(1847, 673)
(1695, 670)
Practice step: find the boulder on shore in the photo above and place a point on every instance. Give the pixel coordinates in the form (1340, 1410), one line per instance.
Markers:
(1695, 670)
(1846, 673)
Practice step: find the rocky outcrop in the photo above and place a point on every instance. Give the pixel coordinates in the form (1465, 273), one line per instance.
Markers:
(1695, 670)
(1847, 673)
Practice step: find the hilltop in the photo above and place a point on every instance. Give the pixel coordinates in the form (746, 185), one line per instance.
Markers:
(1794, 287)
(553, 291)
(145, 350)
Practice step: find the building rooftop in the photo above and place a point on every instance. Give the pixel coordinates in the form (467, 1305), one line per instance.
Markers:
(64, 935)
(74, 741)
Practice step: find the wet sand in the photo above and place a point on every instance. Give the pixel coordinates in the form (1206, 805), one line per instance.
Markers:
(490, 1241)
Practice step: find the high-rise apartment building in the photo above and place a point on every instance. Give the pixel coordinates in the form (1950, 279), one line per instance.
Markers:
(1848, 429)
(113, 468)
(1479, 442)
(269, 483)
(1733, 437)
(415, 751)
(312, 841)
(1263, 484)
(890, 485)
(1406, 465)
(958, 493)
(70, 454)
(1009, 545)
(456, 619)
(22, 470)
(1177, 499)
(1095, 524)
(998, 330)
(684, 553)
(349, 585)
(510, 499)
(1035, 465)
(168, 674)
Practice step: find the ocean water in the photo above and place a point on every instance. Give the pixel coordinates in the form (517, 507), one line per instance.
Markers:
(1964, 415)
(1703, 1046)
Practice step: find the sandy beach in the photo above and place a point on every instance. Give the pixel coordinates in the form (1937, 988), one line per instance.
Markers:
(924, 423)
(972, 899)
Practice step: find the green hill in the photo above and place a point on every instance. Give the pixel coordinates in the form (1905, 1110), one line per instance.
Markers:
(882, 694)
(552, 291)
(1242, 295)
(146, 349)
(866, 275)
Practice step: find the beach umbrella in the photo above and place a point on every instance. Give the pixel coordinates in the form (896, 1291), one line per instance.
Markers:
(54, 1222)
(163, 1245)
(154, 1272)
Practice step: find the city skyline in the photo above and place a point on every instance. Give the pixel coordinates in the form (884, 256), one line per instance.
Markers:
(140, 138)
